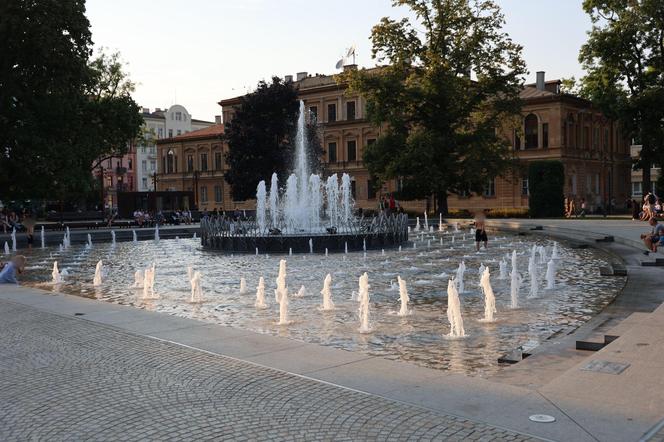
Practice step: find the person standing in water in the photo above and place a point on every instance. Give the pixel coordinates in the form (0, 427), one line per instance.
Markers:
(480, 230)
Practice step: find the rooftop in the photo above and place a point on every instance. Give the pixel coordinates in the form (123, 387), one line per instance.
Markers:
(214, 131)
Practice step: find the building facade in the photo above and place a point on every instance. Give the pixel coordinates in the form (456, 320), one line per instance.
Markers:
(555, 126)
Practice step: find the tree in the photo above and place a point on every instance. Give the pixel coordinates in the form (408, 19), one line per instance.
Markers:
(57, 113)
(440, 124)
(546, 180)
(624, 60)
(261, 137)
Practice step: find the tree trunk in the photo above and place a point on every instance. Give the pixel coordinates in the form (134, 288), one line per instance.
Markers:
(442, 202)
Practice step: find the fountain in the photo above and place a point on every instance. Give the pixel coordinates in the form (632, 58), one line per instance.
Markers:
(551, 275)
(403, 296)
(43, 238)
(7, 252)
(327, 293)
(281, 293)
(261, 196)
(196, 290)
(97, 279)
(515, 285)
(534, 276)
(489, 297)
(459, 277)
(57, 279)
(138, 279)
(363, 298)
(454, 311)
(503, 269)
(148, 283)
(260, 294)
(243, 286)
(133, 236)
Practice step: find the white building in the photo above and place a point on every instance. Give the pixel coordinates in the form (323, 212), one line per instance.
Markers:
(159, 124)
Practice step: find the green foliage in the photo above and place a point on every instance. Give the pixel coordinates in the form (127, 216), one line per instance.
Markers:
(439, 123)
(545, 181)
(58, 111)
(261, 137)
(624, 58)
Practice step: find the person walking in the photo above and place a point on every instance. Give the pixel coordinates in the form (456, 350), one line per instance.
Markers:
(480, 230)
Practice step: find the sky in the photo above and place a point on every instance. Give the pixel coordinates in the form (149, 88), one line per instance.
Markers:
(198, 52)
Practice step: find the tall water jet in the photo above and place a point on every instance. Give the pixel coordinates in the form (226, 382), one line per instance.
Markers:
(515, 285)
(459, 277)
(346, 200)
(43, 238)
(134, 238)
(57, 279)
(489, 297)
(440, 223)
(454, 311)
(260, 294)
(534, 277)
(327, 293)
(96, 281)
(315, 202)
(551, 275)
(243, 286)
(196, 289)
(301, 158)
(503, 269)
(292, 204)
(363, 298)
(281, 293)
(426, 222)
(148, 283)
(261, 216)
(332, 192)
(403, 296)
(274, 200)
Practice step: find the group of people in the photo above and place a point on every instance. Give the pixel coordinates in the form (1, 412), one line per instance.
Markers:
(650, 207)
(145, 218)
(388, 204)
(26, 221)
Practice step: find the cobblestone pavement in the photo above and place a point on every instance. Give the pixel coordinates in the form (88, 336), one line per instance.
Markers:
(64, 378)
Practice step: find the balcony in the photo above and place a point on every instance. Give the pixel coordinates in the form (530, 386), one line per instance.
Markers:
(120, 170)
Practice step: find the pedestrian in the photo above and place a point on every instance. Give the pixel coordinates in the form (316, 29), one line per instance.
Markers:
(29, 223)
(14, 267)
(480, 230)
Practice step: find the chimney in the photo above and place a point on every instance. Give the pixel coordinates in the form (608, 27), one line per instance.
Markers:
(301, 76)
(288, 78)
(540, 80)
(217, 119)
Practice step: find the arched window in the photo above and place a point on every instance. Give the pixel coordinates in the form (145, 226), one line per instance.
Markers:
(169, 161)
(531, 131)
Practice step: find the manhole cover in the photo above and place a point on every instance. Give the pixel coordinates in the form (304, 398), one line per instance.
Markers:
(542, 418)
(608, 367)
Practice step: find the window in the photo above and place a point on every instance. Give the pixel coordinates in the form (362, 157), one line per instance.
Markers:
(597, 184)
(586, 137)
(217, 193)
(516, 139)
(545, 135)
(144, 165)
(163, 164)
(178, 116)
(637, 188)
(145, 183)
(332, 152)
(190, 163)
(530, 129)
(130, 164)
(179, 132)
(350, 110)
(313, 114)
(352, 150)
(204, 162)
(371, 141)
(331, 112)
(606, 138)
(569, 131)
(371, 189)
(589, 183)
(161, 132)
(170, 133)
(353, 189)
(596, 138)
(153, 165)
(204, 194)
(490, 188)
(525, 189)
(169, 162)
(217, 161)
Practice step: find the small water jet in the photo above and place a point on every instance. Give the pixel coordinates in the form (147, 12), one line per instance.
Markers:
(417, 224)
(363, 298)
(459, 277)
(403, 296)
(243, 286)
(196, 289)
(489, 297)
(554, 252)
(89, 243)
(156, 233)
(534, 276)
(302, 292)
(43, 237)
(454, 311)
(148, 283)
(515, 285)
(426, 222)
(7, 252)
(57, 278)
(14, 239)
(503, 269)
(96, 281)
(133, 236)
(327, 293)
(138, 279)
(112, 238)
(551, 275)
(281, 293)
(260, 294)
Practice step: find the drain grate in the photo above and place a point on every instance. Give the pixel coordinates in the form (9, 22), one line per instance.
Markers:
(608, 367)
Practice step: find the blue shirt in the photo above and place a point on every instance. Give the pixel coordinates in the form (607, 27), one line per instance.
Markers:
(8, 274)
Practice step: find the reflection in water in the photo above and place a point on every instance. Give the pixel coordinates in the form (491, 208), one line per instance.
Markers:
(579, 293)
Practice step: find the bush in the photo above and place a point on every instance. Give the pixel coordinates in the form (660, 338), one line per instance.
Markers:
(508, 213)
(545, 181)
